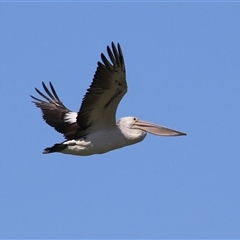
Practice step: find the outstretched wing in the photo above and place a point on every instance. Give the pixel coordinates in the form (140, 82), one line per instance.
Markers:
(99, 105)
(55, 113)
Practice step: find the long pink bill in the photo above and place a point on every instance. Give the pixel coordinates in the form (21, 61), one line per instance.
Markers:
(156, 129)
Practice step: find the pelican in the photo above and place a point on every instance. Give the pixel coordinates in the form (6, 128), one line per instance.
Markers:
(93, 130)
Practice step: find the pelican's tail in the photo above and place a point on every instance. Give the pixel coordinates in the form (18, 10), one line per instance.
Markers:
(58, 147)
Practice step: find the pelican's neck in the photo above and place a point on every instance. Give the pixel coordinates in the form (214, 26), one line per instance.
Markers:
(132, 135)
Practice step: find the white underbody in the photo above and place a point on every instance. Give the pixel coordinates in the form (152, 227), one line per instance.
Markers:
(102, 142)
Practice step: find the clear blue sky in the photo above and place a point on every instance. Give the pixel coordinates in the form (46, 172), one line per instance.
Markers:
(183, 71)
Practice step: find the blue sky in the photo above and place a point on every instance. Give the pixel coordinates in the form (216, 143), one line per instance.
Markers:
(183, 72)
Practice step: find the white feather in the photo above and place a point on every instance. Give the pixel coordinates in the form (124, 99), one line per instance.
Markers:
(70, 117)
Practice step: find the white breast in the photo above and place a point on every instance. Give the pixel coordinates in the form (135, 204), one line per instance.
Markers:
(96, 143)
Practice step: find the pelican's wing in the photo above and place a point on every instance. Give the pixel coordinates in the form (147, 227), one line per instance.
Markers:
(55, 113)
(109, 85)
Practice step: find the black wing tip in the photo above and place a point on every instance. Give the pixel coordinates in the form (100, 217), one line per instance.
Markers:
(119, 53)
(50, 94)
(36, 100)
(117, 46)
(115, 54)
(114, 45)
(44, 85)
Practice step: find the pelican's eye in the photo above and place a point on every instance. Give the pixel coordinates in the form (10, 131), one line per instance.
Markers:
(134, 119)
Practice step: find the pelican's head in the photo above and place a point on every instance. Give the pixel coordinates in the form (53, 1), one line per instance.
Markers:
(137, 126)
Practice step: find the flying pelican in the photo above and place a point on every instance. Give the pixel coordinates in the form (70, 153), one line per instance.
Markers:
(93, 130)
